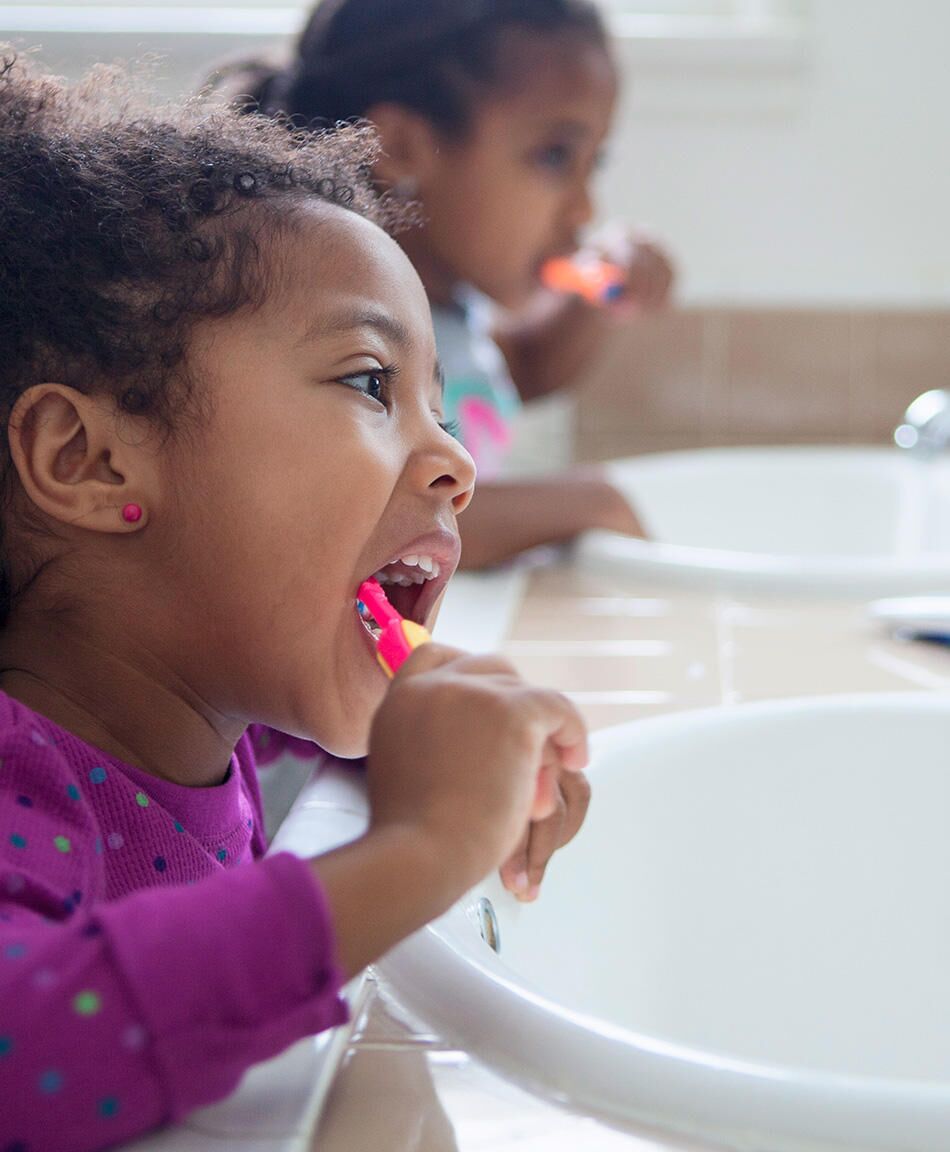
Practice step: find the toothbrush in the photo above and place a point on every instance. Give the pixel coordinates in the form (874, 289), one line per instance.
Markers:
(924, 618)
(396, 637)
(587, 276)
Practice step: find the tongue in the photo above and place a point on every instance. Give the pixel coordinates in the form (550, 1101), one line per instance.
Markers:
(402, 599)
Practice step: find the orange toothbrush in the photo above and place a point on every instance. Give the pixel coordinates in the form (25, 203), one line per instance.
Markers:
(596, 280)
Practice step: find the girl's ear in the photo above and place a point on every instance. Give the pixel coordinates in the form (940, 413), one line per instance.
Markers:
(410, 146)
(80, 460)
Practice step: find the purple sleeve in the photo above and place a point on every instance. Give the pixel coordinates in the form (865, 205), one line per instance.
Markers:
(132, 1013)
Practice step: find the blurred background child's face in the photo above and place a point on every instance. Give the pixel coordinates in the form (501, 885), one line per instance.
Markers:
(303, 483)
(516, 190)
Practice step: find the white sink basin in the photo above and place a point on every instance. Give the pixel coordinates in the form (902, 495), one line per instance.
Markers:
(748, 945)
(861, 521)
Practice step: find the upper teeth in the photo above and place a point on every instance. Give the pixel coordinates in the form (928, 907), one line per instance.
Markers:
(427, 569)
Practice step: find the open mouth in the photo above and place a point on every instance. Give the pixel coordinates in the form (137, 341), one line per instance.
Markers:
(412, 585)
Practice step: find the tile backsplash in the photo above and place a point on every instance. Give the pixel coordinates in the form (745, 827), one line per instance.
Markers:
(700, 377)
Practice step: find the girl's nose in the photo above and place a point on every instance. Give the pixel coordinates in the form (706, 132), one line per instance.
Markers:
(451, 471)
(580, 207)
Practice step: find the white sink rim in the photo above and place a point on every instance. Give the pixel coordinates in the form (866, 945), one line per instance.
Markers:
(663, 1088)
(750, 572)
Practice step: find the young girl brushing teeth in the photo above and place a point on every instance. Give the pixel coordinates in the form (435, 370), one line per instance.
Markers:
(222, 414)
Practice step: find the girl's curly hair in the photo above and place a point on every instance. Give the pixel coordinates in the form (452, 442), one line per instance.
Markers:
(121, 227)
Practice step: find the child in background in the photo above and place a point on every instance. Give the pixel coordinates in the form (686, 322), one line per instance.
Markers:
(222, 413)
(492, 114)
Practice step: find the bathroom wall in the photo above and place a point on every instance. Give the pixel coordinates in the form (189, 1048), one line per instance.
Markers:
(708, 376)
(802, 180)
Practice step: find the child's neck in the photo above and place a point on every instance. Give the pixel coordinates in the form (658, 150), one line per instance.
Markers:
(123, 702)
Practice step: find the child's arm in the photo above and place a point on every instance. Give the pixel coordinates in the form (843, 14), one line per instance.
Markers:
(508, 517)
(119, 1016)
(132, 1013)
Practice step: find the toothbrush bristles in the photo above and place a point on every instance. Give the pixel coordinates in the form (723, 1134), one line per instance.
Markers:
(369, 621)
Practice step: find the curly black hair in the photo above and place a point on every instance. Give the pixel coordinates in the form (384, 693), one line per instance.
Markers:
(122, 227)
(433, 56)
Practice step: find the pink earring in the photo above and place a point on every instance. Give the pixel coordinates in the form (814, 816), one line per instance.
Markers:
(131, 513)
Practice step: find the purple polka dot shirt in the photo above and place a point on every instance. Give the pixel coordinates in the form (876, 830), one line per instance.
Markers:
(148, 956)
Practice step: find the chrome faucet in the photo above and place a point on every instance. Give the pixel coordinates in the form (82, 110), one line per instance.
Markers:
(925, 429)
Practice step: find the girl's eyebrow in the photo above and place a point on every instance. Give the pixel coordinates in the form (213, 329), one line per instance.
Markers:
(370, 318)
(376, 321)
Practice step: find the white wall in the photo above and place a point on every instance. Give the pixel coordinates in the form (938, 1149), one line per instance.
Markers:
(818, 174)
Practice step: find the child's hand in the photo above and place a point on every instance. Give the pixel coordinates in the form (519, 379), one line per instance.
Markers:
(523, 871)
(650, 277)
(467, 754)
(648, 268)
(610, 510)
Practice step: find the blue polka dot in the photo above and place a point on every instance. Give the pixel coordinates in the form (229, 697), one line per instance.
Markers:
(24, 801)
(159, 863)
(98, 774)
(15, 951)
(222, 854)
(91, 930)
(50, 1081)
(17, 840)
(109, 1106)
(250, 823)
(178, 827)
(6, 1045)
(72, 791)
(97, 846)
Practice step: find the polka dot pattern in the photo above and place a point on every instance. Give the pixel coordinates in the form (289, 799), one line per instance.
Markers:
(86, 1003)
(76, 829)
(50, 1082)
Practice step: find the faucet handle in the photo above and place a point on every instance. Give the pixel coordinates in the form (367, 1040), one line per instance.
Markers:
(926, 424)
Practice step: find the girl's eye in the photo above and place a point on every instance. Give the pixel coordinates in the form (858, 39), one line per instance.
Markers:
(556, 157)
(374, 383)
(453, 427)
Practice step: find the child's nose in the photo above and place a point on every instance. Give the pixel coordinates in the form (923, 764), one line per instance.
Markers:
(452, 472)
(580, 207)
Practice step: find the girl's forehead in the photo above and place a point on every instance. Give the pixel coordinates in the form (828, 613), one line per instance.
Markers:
(538, 68)
(330, 259)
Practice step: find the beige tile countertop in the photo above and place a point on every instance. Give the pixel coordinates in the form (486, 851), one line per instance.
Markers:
(621, 650)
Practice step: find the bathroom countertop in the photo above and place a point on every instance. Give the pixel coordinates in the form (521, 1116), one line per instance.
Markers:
(621, 650)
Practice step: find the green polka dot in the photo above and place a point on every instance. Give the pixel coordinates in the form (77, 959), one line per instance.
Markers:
(6, 1045)
(179, 827)
(72, 791)
(108, 1106)
(86, 1003)
(62, 844)
(141, 799)
(18, 841)
(222, 854)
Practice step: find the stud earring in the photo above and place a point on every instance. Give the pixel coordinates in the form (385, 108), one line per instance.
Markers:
(132, 513)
